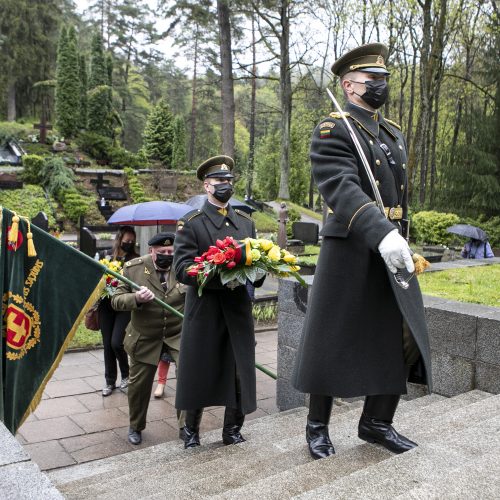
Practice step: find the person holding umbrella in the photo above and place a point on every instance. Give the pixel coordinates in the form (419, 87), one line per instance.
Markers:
(477, 247)
(217, 354)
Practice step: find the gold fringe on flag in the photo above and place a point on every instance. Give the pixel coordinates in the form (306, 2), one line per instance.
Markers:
(29, 236)
(14, 230)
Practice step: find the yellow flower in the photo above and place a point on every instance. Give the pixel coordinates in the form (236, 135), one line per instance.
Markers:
(275, 253)
(255, 254)
(265, 244)
(289, 258)
(295, 268)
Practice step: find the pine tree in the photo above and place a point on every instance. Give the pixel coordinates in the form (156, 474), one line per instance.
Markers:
(179, 156)
(67, 84)
(83, 91)
(158, 135)
(99, 102)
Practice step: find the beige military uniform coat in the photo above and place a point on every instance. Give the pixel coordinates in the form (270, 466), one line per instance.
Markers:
(150, 325)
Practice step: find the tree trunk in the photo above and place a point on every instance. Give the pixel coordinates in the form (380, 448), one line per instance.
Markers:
(11, 102)
(433, 139)
(192, 139)
(227, 86)
(286, 100)
(253, 101)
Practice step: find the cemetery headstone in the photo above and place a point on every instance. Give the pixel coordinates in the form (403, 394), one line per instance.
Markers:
(308, 232)
(41, 221)
(88, 242)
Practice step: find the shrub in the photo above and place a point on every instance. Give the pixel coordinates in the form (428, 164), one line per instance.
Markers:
(430, 227)
(121, 158)
(293, 216)
(74, 204)
(13, 130)
(33, 166)
(28, 202)
(137, 193)
(490, 225)
(57, 177)
(95, 145)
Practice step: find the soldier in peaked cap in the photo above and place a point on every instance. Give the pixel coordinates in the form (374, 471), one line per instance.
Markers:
(363, 334)
(217, 356)
(152, 329)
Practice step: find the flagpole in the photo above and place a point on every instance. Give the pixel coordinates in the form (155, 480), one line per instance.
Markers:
(135, 286)
(130, 283)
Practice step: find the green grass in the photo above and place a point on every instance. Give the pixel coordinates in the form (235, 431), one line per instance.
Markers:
(303, 210)
(478, 285)
(265, 223)
(85, 338)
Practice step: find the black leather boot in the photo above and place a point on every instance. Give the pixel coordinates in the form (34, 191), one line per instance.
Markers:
(375, 424)
(317, 436)
(233, 421)
(191, 429)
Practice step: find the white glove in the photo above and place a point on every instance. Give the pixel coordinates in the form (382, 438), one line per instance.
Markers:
(396, 252)
(144, 295)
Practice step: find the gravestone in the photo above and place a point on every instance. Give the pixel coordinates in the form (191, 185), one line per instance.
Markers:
(308, 232)
(88, 242)
(99, 182)
(10, 181)
(112, 193)
(41, 221)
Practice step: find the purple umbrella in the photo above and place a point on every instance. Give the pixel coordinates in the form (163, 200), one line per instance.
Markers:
(150, 213)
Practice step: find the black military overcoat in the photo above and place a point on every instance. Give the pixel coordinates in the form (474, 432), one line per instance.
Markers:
(217, 341)
(352, 339)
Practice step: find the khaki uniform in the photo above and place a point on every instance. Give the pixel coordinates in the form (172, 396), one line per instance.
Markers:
(151, 330)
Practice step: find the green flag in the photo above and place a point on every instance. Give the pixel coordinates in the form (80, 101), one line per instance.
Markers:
(44, 298)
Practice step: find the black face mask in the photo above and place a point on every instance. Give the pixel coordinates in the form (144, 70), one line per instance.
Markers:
(223, 192)
(127, 247)
(164, 261)
(376, 93)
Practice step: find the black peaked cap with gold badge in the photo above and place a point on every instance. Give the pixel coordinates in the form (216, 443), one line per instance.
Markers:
(369, 58)
(217, 166)
(162, 240)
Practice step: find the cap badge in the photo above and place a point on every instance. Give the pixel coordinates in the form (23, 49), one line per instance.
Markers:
(380, 60)
(224, 167)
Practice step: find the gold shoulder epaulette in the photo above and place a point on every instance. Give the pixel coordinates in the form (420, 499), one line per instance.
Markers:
(134, 262)
(397, 125)
(192, 215)
(338, 116)
(243, 214)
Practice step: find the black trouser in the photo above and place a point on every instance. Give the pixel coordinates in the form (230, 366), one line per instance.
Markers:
(112, 324)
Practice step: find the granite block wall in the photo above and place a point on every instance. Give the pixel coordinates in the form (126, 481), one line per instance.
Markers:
(464, 339)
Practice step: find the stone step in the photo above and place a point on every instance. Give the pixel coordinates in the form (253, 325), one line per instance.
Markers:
(172, 458)
(24, 480)
(145, 456)
(444, 446)
(478, 479)
(352, 454)
(230, 467)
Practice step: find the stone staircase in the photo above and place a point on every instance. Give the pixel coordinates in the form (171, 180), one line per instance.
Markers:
(458, 457)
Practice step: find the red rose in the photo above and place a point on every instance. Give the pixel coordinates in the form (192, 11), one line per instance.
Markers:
(220, 244)
(230, 253)
(199, 259)
(228, 240)
(219, 258)
(192, 272)
(231, 264)
(108, 280)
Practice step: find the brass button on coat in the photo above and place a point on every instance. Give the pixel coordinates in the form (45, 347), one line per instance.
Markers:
(377, 162)
(402, 187)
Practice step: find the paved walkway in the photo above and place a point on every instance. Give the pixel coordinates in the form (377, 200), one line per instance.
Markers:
(75, 424)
